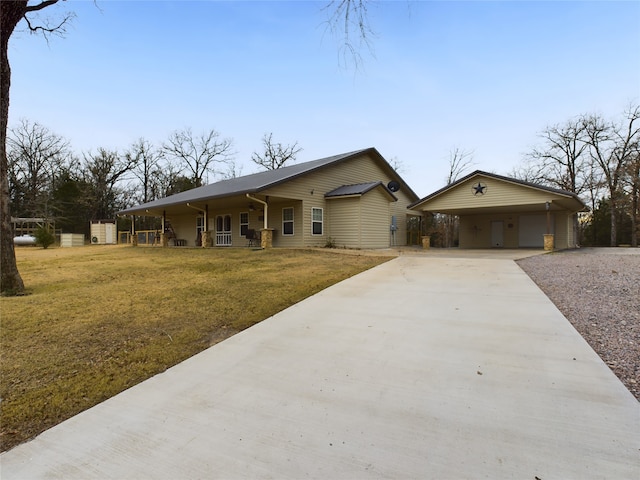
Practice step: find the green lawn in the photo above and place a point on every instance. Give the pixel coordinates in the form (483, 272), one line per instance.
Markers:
(100, 319)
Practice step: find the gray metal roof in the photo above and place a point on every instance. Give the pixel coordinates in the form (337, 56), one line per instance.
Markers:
(356, 189)
(245, 184)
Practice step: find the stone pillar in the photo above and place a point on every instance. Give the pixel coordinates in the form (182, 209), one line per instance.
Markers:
(426, 241)
(134, 239)
(548, 242)
(164, 241)
(205, 239)
(266, 238)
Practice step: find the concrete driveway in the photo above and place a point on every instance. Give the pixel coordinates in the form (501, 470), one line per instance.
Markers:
(427, 367)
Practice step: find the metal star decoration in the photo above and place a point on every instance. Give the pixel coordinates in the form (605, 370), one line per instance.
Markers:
(479, 189)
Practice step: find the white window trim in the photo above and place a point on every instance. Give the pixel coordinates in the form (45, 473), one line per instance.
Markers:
(200, 224)
(321, 222)
(292, 221)
(240, 224)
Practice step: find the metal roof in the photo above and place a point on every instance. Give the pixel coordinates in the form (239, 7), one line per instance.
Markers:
(356, 189)
(247, 183)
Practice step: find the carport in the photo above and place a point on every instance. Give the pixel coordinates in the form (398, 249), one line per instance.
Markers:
(503, 212)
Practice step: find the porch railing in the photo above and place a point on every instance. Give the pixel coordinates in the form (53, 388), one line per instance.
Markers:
(223, 239)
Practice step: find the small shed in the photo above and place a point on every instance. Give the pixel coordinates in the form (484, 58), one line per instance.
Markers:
(71, 240)
(104, 232)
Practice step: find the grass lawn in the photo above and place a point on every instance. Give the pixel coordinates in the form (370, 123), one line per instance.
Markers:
(100, 319)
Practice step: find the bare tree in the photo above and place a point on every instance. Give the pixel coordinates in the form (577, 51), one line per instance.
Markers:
(349, 19)
(147, 169)
(234, 170)
(613, 146)
(198, 155)
(35, 155)
(460, 162)
(632, 182)
(104, 173)
(11, 13)
(397, 164)
(562, 160)
(275, 155)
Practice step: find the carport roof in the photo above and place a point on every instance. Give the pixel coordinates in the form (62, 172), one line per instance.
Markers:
(253, 183)
(447, 188)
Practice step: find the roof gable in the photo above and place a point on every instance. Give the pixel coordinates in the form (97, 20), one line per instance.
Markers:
(488, 190)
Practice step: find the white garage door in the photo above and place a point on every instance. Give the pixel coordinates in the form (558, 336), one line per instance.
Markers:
(532, 229)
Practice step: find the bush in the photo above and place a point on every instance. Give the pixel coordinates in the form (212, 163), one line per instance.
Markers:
(44, 237)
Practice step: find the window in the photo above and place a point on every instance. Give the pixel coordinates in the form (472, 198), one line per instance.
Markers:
(287, 221)
(316, 221)
(200, 225)
(244, 223)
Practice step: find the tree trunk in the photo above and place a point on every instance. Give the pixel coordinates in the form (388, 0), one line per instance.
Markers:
(614, 223)
(10, 280)
(635, 193)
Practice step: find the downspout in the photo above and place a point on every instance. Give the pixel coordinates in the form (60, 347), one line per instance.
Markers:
(266, 207)
(205, 212)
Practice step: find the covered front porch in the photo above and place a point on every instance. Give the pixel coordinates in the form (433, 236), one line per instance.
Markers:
(239, 221)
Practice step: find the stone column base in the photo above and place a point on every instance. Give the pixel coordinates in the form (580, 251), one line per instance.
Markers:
(426, 242)
(205, 239)
(134, 239)
(164, 241)
(266, 238)
(548, 242)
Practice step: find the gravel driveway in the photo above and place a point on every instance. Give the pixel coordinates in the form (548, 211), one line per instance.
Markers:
(598, 290)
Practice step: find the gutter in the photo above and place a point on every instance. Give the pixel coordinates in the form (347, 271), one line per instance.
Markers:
(204, 211)
(266, 208)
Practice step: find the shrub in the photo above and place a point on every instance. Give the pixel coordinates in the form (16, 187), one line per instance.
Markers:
(44, 237)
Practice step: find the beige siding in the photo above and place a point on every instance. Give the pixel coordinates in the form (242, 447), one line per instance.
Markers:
(360, 222)
(475, 230)
(275, 222)
(104, 233)
(498, 194)
(373, 211)
(376, 221)
(344, 222)
(310, 189)
(563, 231)
(71, 240)
(184, 227)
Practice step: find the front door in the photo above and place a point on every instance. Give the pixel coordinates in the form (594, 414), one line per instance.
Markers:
(497, 234)
(223, 230)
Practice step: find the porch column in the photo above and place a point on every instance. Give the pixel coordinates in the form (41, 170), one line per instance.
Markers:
(134, 237)
(548, 237)
(205, 238)
(266, 238)
(548, 242)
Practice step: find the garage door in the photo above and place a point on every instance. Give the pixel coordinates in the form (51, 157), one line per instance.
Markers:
(531, 230)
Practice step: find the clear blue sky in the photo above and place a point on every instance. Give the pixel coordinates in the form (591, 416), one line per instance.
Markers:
(486, 77)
